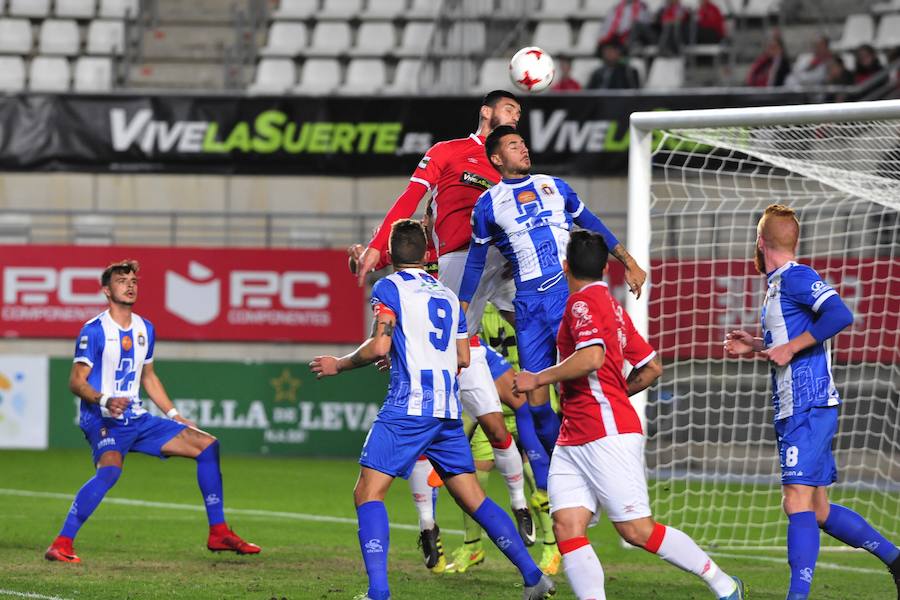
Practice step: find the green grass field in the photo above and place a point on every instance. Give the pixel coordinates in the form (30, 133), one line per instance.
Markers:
(301, 512)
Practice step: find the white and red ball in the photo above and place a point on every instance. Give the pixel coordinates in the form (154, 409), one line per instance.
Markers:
(531, 69)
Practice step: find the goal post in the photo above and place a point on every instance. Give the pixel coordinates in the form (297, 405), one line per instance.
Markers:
(698, 182)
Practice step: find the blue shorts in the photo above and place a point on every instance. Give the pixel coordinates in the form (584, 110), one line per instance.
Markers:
(147, 434)
(537, 322)
(395, 442)
(804, 447)
(496, 363)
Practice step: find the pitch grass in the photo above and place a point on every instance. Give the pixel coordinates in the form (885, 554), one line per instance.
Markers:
(133, 551)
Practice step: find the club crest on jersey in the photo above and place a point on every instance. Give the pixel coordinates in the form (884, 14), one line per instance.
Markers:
(526, 197)
(476, 180)
(546, 189)
(127, 344)
(424, 162)
(103, 432)
(141, 339)
(582, 312)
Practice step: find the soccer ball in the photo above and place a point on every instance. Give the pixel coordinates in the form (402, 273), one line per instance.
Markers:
(531, 69)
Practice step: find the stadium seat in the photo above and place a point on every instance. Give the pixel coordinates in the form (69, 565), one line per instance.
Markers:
(285, 39)
(553, 36)
(375, 38)
(75, 9)
(415, 39)
(466, 37)
(407, 76)
(455, 73)
(493, 74)
(757, 9)
(319, 77)
(329, 39)
(340, 9)
(93, 74)
(296, 9)
(49, 74)
(583, 68)
(14, 228)
(106, 37)
(423, 9)
(665, 73)
(886, 7)
(273, 76)
(888, 35)
(15, 36)
(34, 9)
(557, 9)
(119, 9)
(639, 65)
(588, 36)
(93, 230)
(596, 9)
(59, 37)
(475, 9)
(858, 30)
(364, 76)
(385, 9)
(12, 74)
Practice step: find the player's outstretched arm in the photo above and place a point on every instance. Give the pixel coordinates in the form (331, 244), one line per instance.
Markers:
(157, 392)
(579, 364)
(640, 378)
(377, 346)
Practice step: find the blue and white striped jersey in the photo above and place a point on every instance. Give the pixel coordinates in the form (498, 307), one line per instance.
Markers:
(529, 220)
(116, 357)
(795, 294)
(423, 345)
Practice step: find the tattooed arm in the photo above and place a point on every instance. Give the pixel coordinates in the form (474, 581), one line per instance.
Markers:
(635, 276)
(378, 345)
(643, 377)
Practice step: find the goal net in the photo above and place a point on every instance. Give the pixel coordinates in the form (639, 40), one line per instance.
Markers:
(711, 453)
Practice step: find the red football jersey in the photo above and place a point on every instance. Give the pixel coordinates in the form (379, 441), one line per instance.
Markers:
(456, 172)
(597, 405)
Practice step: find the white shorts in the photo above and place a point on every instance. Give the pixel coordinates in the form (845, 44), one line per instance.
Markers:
(492, 288)
(477, 391)
(607, 474)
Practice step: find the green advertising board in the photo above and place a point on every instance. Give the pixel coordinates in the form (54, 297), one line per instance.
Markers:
(253, 408)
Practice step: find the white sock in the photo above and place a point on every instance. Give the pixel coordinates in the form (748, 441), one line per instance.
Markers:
(509, 463)
(679, 549)
(422, 493)
(583, 570)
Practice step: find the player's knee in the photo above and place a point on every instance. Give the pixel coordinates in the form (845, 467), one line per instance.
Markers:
(634, 533)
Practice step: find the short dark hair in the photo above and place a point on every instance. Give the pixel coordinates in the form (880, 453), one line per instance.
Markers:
(122, 267)
(493, 97)
(493, 139)
(407, 243)
(586, 254)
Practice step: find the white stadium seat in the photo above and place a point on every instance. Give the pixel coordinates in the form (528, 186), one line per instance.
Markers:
(15, 36)
(106, 37)
(423, 9)
(286, 38)
(415, 39)
(75, 9)
(119, 9)
(296, 9)
(493, 74)
(93, 74)
(583, 68)
(553, 36)
(467, 37)
(35, 9)
(665, 73)
(59, 37)
(385, 9)
(858, 30)
(888, 35)
(12, 73)
(329, 39)
(475, 9)
(640, 65)
(364, 76)
(406, 76)
(757, 9)
(340, 9)
(319, 77)
(588, 36)
(375, 39)
(49, 74)
(596, 9)
(273, 76)
(454, 73)
(558, 9)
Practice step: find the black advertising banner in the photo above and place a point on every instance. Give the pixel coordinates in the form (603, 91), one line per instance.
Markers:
(567, 134)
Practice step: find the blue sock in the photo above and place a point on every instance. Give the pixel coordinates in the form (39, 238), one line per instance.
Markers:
(546, 424)
(374, 539)
(209, 477)
(852, 529)
(537, 456)
(88, 499)
(803, 551)
(503, 533)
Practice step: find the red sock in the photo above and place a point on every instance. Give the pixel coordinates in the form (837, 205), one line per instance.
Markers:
(219, 528)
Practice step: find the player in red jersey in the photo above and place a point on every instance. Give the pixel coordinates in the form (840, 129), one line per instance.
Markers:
(598, 462)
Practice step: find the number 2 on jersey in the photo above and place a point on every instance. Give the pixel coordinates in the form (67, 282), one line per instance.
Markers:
(439, 311)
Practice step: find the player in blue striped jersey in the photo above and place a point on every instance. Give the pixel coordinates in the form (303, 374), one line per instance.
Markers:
(113, 359)
(419, 324)
(800, 315)
(529, 217)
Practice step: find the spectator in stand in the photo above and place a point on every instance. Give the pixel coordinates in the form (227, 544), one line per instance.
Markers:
(867, 63)
(710, 23)
(771, 68)
(628, 22)
(564, 82)
(673, 20)
(812, 69)
(837, 75)
(614, 73)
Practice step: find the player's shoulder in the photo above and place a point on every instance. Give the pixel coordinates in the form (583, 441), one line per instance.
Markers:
(799, 276)
(595, 297)
(446, 147)
(94, 325)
